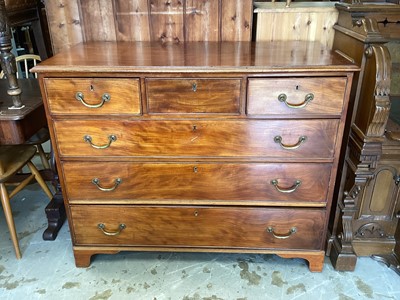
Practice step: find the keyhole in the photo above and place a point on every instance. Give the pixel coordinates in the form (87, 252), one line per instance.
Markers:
(91, 88)
(297, 87)
(194, 87)
(196, 213)
(194, 127)
(195, 169)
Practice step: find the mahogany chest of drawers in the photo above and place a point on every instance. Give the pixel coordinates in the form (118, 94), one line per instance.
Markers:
(197, 146)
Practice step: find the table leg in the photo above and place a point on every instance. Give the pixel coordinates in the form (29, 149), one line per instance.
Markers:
(55, 212)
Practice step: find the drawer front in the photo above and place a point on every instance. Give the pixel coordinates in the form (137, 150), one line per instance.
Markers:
(228, 227)
(197, 138)
(193, 95)
(296, 96)
(286, 182)
(93, 96)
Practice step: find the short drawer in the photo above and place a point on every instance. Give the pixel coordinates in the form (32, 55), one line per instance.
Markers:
(193, 95)
(197, 182)
(93, 96)
(197, 138)
(225, 227)
(297, 97)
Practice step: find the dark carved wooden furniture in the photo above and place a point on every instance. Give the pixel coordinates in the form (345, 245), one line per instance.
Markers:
(29, 12)
(385, 185)
(368, 203)
(197, 146)
(18, 125)
(22, 113)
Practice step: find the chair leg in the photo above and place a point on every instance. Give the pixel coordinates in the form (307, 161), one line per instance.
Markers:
(43, 157)
(5, 202)
(40, 180)
(20, 186)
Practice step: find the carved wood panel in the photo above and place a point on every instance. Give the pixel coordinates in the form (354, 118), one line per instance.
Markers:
(367, 210)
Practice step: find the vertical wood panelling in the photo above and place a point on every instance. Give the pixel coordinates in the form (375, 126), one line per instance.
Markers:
(73, 21)
(98, 20)
(201, 20)
(236, 17)
(300, 22)
(166, 20)
(132, 20)
(64, 23)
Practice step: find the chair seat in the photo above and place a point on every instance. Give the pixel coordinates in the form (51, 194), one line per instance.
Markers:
(39, 137)
(13, 158)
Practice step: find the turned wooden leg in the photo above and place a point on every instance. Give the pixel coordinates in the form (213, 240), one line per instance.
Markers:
(40, 180)
(44, 159)
(5, 202)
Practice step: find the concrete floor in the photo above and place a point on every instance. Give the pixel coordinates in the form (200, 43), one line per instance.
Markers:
(47, 270)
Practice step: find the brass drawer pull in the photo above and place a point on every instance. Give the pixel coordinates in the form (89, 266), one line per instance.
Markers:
(96, 182)
(292, 230)
(111, 138)
(105, 98)
(307, 99)
(278, 140)
(291, 189)
(102, 227)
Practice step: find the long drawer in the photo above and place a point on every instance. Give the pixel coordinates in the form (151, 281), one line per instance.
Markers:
(226, 227)
(286, 182)
(93, 96)
(197, 138)
(297, 97)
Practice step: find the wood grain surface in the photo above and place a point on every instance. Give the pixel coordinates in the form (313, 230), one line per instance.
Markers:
(124, 96)
(192, 57)
(197, 138)
(193, 95)
(198, 226)
(196, 182)
(73, 21)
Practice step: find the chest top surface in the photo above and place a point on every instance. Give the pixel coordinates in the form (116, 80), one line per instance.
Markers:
(241, 57)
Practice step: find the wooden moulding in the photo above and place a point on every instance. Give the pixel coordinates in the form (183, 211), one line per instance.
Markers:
(83, 255)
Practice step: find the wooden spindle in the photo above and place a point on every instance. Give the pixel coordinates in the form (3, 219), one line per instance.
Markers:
(7, 59)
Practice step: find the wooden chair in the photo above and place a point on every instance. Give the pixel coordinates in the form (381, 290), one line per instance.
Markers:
(12, 159)
(24, 63)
